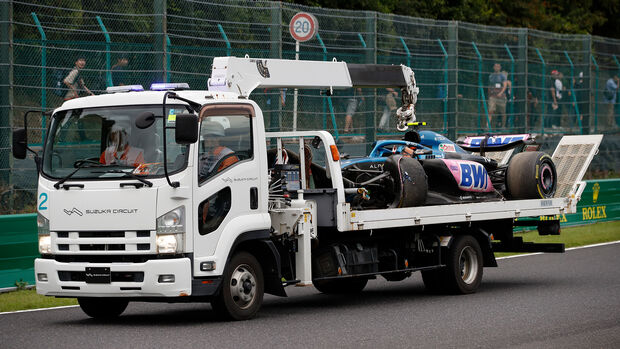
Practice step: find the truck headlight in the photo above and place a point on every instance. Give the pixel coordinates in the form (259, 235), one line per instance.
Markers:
(45, 242)
(171, 231)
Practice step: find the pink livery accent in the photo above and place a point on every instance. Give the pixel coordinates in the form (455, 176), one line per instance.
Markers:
(469, 175)
(495, 141)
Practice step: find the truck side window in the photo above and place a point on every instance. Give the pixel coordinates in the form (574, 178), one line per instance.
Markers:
(224, 141)
(213, 210)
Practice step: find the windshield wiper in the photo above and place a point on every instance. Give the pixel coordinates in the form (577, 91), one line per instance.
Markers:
(80, 166)
(128, 175)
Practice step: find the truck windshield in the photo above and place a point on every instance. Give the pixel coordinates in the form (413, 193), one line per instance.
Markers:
(107, 137)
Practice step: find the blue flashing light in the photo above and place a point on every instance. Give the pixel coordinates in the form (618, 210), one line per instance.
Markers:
(166, 86)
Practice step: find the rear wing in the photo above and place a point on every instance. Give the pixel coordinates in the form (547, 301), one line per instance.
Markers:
(572, 157)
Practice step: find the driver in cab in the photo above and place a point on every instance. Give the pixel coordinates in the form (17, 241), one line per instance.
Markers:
(213, 152)
(119, 151)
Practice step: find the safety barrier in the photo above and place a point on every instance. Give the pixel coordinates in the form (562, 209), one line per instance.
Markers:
(600, 202)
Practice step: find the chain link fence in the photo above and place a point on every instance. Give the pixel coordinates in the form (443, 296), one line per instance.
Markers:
(176, 40)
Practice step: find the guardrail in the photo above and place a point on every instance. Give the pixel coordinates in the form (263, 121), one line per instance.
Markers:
(600, 202)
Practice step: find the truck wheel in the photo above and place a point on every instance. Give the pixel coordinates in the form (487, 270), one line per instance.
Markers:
(341, 286)
(242, 290)
(410, 183)
(463, 271)
(102, 308)
(531, 175)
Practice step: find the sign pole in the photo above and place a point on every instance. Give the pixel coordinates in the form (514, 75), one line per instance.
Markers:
(295, 91)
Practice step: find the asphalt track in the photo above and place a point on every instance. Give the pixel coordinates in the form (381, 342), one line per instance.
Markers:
(539, 301)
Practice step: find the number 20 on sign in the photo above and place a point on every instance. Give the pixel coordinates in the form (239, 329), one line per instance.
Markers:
(303, 26)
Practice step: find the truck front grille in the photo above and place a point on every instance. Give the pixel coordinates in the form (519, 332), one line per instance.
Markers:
(103, 242)
(124, 276)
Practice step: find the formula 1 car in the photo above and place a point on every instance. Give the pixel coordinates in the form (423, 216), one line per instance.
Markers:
(427, 168)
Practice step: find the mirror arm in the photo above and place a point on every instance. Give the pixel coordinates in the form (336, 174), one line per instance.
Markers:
(195, 106)
(165, 119)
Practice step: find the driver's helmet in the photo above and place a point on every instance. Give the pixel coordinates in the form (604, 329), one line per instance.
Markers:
(212, 128)
(118, 138)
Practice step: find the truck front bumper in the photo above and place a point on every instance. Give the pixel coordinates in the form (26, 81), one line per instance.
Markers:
(147, 283)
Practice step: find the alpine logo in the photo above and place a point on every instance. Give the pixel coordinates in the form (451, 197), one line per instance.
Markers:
(74, 210)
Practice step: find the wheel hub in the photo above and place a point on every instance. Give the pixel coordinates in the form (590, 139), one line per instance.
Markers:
(468, 264)
(243, 286)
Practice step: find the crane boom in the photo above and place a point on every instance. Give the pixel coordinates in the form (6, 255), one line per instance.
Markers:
(243, 75)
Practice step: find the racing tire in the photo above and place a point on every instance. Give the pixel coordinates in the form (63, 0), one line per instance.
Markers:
(341, 286)
(531, 175)
(463, 271)
(241, 295)
(102, 308)
(410, 181)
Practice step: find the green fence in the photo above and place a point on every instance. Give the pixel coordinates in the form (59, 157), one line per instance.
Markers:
(600, 202)
(176, 40)
(18, 249)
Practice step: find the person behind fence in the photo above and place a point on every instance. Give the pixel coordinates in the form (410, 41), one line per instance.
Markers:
(213, 151)
(609, 100)
(352, 104)
(119, 73)
(556, 105)
(74, 80)
(497, 97)
(389, 108)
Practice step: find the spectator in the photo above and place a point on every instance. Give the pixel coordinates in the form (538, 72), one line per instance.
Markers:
(74, 80)
(509, 98)
(389, 108)
(609, 99)
(352, 104)
(556, 89)
(119, 74)
(580, 97)
(497, 96)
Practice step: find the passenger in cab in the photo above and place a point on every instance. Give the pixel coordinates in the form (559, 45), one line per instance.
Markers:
(213, 151)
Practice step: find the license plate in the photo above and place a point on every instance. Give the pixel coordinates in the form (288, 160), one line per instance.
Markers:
(98, 275)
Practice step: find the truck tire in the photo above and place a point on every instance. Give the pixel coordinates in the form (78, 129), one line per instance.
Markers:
(241, 295)
(341, 286)
(410, 182)
(531, 175)
(463, 271)
(102, 308)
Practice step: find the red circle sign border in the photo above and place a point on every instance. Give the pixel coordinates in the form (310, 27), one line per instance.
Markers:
(310, 19)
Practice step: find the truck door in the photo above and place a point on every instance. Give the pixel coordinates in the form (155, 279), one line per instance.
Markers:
(227, 182)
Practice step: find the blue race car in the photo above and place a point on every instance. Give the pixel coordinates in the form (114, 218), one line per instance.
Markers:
(427, 168)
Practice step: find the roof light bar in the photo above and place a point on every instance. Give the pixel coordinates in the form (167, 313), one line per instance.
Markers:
(166, 86)
(126, 88)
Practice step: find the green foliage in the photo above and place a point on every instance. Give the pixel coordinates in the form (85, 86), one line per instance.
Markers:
(560, 16)
(21, 284)
(29, 299)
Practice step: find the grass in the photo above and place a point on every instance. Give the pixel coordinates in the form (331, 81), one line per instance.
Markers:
(29, 299)
(572, 237)
(575, 236)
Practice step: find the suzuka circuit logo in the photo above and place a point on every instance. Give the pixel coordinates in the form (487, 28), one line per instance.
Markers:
(74, 210)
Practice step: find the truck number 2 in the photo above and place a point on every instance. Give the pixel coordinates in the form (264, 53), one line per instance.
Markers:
(42, 205)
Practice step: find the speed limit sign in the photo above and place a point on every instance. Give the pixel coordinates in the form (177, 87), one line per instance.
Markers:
(303, 26)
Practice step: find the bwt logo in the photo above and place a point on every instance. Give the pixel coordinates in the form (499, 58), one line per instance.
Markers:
(474, 176)
(497, 141)
(74, 210)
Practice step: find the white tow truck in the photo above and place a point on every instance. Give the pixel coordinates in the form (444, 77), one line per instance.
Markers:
(176, 195)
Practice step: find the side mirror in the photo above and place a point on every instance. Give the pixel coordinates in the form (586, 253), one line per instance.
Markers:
(186, 128)
(145, 120)
(20, 144)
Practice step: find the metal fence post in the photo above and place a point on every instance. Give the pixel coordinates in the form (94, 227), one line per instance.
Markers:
(453, 63)
(543, 92)
(223, 33)
(6, 86)
(402, 41)
(43, 72)
(595, 93)
(371, 57)
(445, 87)
(520, 94)
(159, 38)
(108, 73)
(572, 89)
(481, 97)
(275, 51)
(324, 49)
(615, 107)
